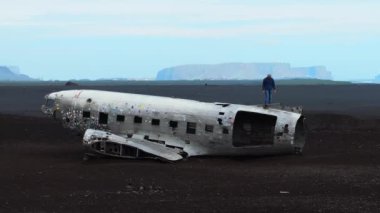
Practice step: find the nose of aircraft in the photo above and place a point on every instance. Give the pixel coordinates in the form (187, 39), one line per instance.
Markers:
(49, 106)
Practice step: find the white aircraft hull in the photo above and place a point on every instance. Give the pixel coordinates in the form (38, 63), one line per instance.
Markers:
(135, 126)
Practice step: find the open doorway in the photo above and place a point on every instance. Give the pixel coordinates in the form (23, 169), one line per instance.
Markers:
(253, 129)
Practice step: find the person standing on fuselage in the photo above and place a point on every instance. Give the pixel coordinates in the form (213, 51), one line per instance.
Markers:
(268, 86)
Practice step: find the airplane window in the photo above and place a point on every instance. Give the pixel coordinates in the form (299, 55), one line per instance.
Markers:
(138, 120)
(173, 124)
(155, 122)
(49, 103)
(120, 118)
(191, 127)
(103, 118)
(86, 114)
(209, 128)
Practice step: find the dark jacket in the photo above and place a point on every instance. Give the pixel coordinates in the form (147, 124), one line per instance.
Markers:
(268, 84)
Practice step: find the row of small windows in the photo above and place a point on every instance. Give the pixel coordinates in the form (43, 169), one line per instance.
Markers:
(190, 128)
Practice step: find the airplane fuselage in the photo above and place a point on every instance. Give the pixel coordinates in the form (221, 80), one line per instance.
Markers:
(190, 127)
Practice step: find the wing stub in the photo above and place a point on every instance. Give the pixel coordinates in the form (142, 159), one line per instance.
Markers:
(109, 144)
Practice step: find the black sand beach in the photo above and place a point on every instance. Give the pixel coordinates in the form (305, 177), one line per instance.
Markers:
(41, 166)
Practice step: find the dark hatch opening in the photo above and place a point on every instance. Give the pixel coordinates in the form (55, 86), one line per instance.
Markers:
(103, 118)
(253, 129)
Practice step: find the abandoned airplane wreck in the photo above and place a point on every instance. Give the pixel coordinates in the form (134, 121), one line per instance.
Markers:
(142, 126)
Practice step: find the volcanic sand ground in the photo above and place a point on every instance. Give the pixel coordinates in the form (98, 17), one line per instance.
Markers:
(41, 166)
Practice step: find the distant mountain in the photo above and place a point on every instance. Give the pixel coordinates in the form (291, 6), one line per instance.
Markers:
(242, 71)
(8, 73)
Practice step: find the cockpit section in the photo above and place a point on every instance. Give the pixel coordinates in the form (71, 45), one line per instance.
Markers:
(50, 105)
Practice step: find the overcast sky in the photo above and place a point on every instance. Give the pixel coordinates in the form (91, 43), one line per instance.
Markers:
(65, 39)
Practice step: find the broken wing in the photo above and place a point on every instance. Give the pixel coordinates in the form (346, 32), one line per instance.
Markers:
(106, 143)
